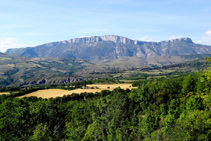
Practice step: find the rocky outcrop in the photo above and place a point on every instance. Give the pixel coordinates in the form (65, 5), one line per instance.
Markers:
(85, 40)
(187, 40)
(95, 39)
(118, 39)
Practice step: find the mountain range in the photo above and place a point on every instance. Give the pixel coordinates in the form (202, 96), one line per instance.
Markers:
(94, 58)
(112, 47)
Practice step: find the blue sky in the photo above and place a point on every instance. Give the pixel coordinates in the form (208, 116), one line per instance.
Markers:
(34, 22)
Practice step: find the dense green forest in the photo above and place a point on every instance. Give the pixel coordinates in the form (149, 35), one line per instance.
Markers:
(160, 109)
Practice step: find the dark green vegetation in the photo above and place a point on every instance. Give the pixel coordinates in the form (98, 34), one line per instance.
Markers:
(159, 109)
(172, 102)
(133, 74)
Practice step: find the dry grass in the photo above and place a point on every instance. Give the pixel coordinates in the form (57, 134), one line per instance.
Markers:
(53, 93)
(112, 86)
(2, 93)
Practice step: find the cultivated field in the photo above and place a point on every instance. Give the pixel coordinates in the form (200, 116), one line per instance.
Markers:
(111, 86)
(2, 93)
(53, 93)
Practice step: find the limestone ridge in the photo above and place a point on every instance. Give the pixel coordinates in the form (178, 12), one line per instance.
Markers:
(116, 39)
(94, 39)
(187, 40)
(119, 39)
(112, 47)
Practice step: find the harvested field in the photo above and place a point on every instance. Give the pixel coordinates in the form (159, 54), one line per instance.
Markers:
(2, 93)
(53, 93)
(112, 86)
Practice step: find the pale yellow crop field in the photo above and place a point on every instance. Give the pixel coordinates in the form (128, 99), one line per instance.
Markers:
(2, 93)
(112, 86)
(53, 93)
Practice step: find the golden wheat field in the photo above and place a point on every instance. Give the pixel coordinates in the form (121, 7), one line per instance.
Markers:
(112, 86)
(2, 93)
(53, 93)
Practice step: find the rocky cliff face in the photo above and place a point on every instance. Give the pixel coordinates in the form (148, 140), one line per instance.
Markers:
(94, 39)
(119, 39)
(112, 47)
(187, 40)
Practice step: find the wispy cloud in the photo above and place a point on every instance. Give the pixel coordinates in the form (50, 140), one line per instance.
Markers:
(206, 38)
(6, 43)
(145, 38)
(208, 33)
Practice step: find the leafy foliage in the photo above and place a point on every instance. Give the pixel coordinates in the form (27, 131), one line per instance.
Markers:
(160, 109)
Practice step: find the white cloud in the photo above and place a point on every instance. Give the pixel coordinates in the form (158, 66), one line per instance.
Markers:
(197, 41)
(208, 32)
(85, 36)
(146, 38)
(206, 38)
(6, 43)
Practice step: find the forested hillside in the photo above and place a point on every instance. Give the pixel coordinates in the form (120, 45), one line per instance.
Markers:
(19, 71)
(23, 71)
(159, 109)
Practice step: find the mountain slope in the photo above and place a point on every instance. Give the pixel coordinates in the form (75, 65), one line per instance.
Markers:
(22, 70)
(112, 47)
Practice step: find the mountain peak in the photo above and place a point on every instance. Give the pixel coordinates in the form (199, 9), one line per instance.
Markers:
(118, 39)
(94, 39)
(187, 40)
(182, 39)
(85, 40)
